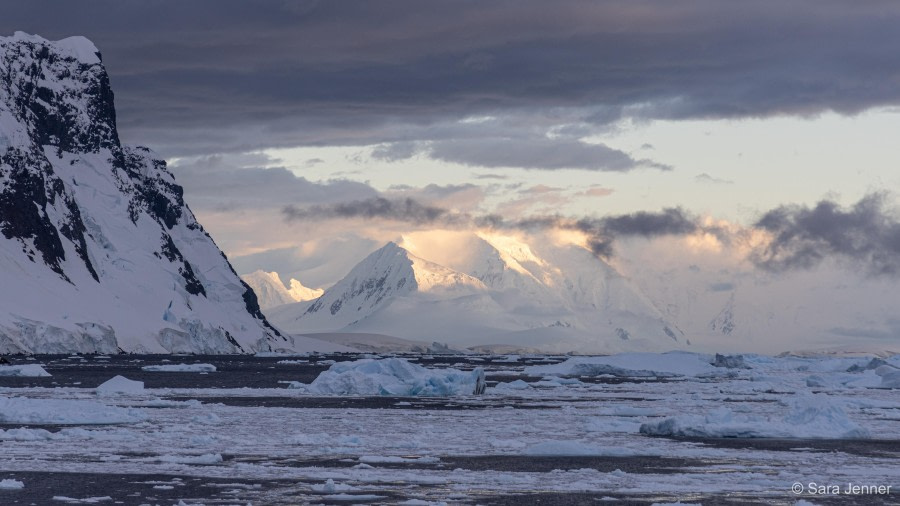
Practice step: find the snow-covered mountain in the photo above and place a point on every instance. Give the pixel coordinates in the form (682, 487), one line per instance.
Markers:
(491, 289)
(270, 290)
(98, 251)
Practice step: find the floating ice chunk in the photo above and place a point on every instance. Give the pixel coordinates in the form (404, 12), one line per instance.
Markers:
(809, 416)
(330, 487)
(180, 368)
(390, 459)
(512, 385)
(9, 484)
(395, 376)
(120, 385)
(27, 370)
(86, 500)
(634, 365)
(64, 411)
(890, 376)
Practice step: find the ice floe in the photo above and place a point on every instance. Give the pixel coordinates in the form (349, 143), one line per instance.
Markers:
(120, 385)
(394, 376)
(29, 370)
(634, 365)
(9, 484)
(64, 412)
(180, 368)
(809, 416)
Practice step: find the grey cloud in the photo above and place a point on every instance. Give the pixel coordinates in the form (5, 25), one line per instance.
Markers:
(405, 210)
(647, 224)
(866, 235)
(725, 286)
(601, 232)
(394, 151)
(226, 75)
(536, 153)
(225, 183)
(706, 178)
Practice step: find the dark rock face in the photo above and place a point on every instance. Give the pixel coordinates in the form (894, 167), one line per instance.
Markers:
(56, 107)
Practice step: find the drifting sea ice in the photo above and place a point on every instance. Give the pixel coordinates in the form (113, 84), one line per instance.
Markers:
(29, 370)
(810, 416)
(120, 385)
(8, 484)
(180, 368)
(394, 376)
(64, 412)
(660, 365)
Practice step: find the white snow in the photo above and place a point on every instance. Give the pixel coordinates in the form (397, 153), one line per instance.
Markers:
(180, 368)
(64, 411)
(30, 370)
(813, 416)
(120, 385)
(10, 484)
(395, 376)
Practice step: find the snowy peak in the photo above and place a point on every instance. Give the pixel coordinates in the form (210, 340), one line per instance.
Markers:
(302, 293)
(479, 288)
(98, 250)
(271, 292)
(389, 272)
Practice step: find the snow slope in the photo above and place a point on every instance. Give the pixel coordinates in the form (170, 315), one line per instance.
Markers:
(98, 250)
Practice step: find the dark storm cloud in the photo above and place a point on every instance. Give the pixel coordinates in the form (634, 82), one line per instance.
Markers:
(536, 153)
(245, 183)
(866, 235)
(224, 75)
(601, 232)
(404, 210)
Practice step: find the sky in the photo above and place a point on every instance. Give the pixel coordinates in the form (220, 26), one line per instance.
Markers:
(306, 133)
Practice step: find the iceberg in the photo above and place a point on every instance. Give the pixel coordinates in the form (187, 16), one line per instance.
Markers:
(120, 385)
(395, 376)
(29, 370)
(661, 365)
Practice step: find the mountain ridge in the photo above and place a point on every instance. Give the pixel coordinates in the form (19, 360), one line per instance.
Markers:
(99, 252)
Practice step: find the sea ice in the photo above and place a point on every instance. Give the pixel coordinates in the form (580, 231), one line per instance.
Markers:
(29, 370)
(64, 411)
(634, 365)
(809, 416)
(180, 368)
(395, 376)
(8, 484)
(120, 385)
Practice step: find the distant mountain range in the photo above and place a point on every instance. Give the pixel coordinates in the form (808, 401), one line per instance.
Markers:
(502, 291)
